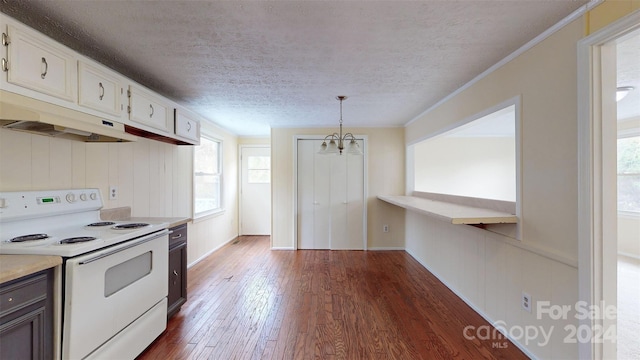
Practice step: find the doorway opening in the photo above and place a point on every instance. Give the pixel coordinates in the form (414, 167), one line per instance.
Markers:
(600, 241)
(255, 190)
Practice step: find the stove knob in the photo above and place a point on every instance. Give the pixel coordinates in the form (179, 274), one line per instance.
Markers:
(93, 196)
(71, 198)
(83, 197)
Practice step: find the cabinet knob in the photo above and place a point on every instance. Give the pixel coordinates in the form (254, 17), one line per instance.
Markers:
(175, 273)
(176, 237)
(151, 114)
(10, 299)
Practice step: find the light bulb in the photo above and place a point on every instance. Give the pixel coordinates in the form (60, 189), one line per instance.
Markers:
(353, 148)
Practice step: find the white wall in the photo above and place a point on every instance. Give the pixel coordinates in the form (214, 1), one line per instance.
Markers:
(386, 176)
(153, 178)
(629, 225)
(212, 232)
(483, 167)
(490, 271)
(148, 174)
(629, 235)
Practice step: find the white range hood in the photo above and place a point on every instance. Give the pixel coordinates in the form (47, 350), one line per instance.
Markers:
(22, 113)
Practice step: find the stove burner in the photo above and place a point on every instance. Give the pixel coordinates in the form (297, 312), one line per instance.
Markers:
(103, 223)
(79, 239)
(129, 226)
(30, 237)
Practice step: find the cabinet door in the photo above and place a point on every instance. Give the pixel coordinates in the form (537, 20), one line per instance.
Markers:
(26, 317)
(187, 127)
(98, 90)
(37, 63)
(148, 109)
(23, 338)
(177, 278)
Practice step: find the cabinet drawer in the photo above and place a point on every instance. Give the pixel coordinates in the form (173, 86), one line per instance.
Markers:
(98, 90)
(148, 109)
(178, 236)
(35, 63)
(22, 292)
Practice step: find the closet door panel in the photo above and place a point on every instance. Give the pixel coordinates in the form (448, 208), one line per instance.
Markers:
(306, 206)
(355, 200)
(322, 198)
(339, 234)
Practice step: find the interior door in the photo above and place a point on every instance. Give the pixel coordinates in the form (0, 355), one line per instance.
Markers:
(330, 198)
(255, 192)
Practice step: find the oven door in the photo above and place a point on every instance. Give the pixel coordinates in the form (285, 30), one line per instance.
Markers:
(107, 290)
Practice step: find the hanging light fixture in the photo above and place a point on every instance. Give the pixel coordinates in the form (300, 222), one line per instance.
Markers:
(337, 141)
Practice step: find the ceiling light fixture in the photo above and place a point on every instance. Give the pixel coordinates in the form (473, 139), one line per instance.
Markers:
(623, 91)
(336, 141)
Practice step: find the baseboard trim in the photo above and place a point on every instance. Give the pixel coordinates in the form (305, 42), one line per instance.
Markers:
(282, 248)
(471, 305)
(386, 248)
(211, 251)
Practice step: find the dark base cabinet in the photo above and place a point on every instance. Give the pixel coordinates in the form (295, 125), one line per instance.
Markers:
(177, 269)
(26, 317)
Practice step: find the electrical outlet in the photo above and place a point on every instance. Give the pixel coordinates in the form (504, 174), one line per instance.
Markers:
(113, 192)
(526, 301)
(385, 228)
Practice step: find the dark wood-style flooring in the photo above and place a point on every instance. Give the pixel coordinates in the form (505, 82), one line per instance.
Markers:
(248, 302)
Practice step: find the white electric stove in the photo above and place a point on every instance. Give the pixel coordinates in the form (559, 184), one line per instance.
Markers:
(114, 274)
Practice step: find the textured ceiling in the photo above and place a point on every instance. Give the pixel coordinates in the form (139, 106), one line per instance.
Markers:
(252, 65)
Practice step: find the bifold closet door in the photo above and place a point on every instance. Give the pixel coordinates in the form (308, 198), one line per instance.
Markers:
(330, 199)
(353, 203)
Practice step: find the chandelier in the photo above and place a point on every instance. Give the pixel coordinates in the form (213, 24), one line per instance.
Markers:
(337, 141)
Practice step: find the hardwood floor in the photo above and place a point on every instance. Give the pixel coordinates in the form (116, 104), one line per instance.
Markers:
(248, 302)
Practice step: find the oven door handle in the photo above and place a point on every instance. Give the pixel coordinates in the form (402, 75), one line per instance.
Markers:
(128, 246)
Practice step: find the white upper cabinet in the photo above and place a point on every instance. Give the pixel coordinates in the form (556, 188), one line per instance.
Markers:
(98, 89)
(187, 126)
(148, 109)
(35, 66)
(37, 63)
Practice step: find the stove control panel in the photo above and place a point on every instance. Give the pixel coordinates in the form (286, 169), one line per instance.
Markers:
(18, 205)
(48, 200)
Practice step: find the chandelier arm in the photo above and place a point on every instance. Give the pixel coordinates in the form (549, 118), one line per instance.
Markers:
(333, 136)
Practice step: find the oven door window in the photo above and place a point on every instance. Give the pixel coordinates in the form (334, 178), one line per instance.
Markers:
(124, 274)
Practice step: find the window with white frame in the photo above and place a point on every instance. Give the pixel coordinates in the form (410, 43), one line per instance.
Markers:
(629, 174)
(207, 177)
